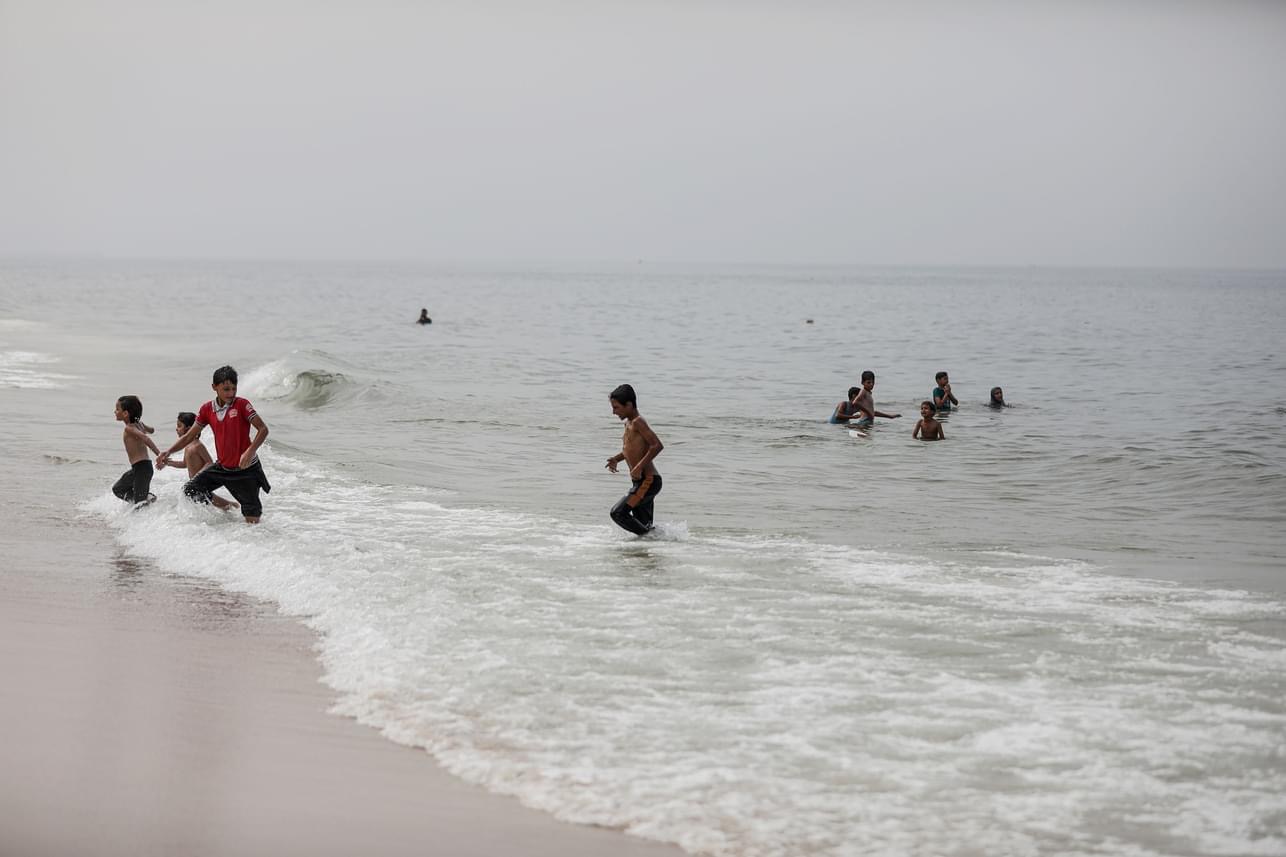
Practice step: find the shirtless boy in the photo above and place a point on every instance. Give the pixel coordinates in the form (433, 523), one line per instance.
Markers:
(639, 446)
(195, 456)
(928, 428)
(134, 483)
(865, 402)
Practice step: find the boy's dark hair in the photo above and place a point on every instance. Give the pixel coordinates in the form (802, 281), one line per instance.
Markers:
(868, 375)
(132, 406)
(940, 376)
(225, 373)
(853, 391)
(187, 418)
(933, 409)
(625, 395)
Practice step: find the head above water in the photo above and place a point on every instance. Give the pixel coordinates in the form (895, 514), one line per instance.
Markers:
(853, 391)
(997, 395)
(941, 377)
(868, 375)
(927, 408)
(187, 419)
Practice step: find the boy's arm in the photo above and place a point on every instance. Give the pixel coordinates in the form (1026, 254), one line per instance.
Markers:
(886, 416)
(915, 432)
(654, 447)
(142, 435)
(261, 434)
(190, 435)
(615, 460)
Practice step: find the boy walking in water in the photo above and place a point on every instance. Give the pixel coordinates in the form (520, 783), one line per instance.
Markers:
(865, 402)
(639, 447)
(134, 483)
(237, 468)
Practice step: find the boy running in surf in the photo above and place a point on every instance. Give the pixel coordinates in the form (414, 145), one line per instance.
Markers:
(237, 468)
(639, 447)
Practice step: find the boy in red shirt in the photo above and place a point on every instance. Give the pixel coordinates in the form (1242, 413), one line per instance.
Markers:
(237, 466)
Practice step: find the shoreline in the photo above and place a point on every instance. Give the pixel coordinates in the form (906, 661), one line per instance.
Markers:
(147, 713)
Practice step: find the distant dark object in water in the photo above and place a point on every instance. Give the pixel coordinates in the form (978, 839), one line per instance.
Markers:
(424, 317)
(808, 321)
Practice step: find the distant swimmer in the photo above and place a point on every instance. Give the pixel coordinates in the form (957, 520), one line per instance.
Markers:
(237, 468)
(998, 398)
(639, 447)
(134, 484)
(943, 400)
(195, 456)
(928, 428)
(424, 317)
(847, 409)
(865, 403)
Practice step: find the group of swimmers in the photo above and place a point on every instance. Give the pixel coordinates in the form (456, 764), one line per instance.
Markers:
(858, 409)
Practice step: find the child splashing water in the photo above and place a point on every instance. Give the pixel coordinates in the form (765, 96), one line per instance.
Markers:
(195, 456)
(134, 484)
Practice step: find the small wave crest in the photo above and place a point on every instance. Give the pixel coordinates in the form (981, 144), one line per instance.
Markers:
(304, 386)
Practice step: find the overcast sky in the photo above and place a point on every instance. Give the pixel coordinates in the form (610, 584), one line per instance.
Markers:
(1058, 133)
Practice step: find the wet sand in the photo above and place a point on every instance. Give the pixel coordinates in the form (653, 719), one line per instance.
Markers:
(149, 714)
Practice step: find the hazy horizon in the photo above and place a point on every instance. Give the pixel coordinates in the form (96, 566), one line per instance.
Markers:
(997, 134)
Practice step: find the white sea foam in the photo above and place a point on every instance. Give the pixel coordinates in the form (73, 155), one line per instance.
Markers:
(768, 696)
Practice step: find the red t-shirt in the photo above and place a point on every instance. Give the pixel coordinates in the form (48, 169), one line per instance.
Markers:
(231, 425)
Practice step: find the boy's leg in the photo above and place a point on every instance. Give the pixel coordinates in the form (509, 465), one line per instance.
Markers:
(623, 515)
(142, 480)
(246, 492)
(626, 513)
(124, 487)
(643, 511)
(200, 487)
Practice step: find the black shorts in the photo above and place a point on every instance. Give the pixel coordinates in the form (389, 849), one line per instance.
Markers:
(633, 512)
(135, 483)
(243, 484)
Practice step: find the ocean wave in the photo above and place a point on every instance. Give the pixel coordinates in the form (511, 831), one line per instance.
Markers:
(299, 381)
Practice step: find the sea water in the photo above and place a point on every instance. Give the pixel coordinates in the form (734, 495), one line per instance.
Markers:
(1060, 631)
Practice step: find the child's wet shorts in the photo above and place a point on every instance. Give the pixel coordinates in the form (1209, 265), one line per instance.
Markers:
(242, 484)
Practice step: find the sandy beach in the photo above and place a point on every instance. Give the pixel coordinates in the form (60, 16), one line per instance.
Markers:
(145, 713)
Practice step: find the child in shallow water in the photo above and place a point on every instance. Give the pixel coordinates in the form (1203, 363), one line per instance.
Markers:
(928, 428)
(196, 457)
(997, 398)
(134, 483)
